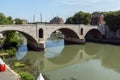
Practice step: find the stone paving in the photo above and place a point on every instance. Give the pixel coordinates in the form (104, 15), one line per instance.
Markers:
(9, 75)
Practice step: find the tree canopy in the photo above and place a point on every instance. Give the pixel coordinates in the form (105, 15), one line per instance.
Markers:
(79, 18)
(69, 20)
(18, 21)
(9, 34)
(112, 20)
(5, 20)
(9, 20)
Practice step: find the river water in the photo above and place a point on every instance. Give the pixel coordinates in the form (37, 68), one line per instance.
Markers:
(91, 61)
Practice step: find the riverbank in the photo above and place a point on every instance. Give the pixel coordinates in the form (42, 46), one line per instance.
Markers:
(111, 41)
(9, 74)
(106, 41)
(4, 55)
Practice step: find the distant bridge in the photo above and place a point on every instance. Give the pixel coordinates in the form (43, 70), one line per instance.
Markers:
(37, 34)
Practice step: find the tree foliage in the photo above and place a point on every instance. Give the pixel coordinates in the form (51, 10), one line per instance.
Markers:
(8, 20)
(69, 20)
(79, 18)
(112, 19)
(9, 35)
(5, 20)
(11, 39)
(18, 21)
(26, 76)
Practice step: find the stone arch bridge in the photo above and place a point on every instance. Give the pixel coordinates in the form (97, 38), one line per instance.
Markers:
(36, 34)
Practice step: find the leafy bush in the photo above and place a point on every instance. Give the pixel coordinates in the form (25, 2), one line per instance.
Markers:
(112, 19)
(18, 64)
(11, 52)
(26, 76)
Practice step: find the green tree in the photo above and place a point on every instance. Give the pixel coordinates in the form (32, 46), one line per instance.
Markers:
(69, 20)
(82, 18)
(112, 20)
(5, 20)
(9, 35)
(10, 20)
(18, 21)
(79, 18)
(11, 39)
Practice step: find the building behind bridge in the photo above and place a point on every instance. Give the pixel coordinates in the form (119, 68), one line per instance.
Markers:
(57, 20)
(97, 18)
(24, 21)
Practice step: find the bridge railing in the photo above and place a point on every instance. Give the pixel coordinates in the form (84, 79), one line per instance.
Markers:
(17, 25)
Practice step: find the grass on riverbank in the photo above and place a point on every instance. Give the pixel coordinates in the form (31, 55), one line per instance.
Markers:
(8, 52)
(24, 70)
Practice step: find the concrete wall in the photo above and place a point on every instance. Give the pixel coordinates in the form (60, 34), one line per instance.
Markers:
(112, 35)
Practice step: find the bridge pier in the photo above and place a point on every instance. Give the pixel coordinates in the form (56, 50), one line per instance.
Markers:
(40, 45)
(74, 40)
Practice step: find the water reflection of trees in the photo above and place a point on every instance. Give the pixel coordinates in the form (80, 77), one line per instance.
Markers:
(35, 60)
(92, 48)
(108, 54)
(111, 58)
(67, 55)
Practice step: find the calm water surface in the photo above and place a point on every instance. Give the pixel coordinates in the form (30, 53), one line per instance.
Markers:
(75, 62)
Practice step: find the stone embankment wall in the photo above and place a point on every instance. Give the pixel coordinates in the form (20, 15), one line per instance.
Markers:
(111, 34)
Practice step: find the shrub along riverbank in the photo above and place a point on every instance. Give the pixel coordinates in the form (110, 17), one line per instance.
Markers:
(25, 71)
(8, 54)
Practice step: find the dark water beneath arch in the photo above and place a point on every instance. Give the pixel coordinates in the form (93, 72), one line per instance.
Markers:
(74, 62)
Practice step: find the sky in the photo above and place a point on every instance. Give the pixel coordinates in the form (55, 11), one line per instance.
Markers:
(26, 9)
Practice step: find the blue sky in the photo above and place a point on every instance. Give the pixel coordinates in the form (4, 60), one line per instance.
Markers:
(50, 8)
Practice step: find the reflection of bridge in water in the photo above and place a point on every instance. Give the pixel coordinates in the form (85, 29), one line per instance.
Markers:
(69, 56)
(51, 64)
(66, 58)
(37, 34)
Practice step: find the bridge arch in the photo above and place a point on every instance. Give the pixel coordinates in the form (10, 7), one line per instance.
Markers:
(93, 34)
(30, 39)
(68, 32)
(69, 35)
